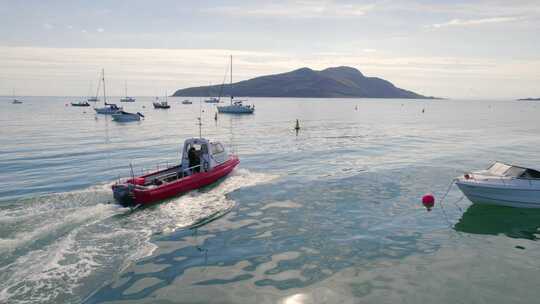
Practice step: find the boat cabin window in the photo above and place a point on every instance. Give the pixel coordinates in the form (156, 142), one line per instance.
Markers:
(530, 173)
(217, 148)
(514, 171)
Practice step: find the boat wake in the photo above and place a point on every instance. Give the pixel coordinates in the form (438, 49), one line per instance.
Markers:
(56, 247)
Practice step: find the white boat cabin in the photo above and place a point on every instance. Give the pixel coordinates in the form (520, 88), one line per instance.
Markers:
(201, 155)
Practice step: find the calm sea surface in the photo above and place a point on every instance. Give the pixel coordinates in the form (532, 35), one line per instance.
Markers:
(329, 215)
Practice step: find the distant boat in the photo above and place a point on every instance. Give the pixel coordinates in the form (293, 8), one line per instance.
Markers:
(109, 108)
(80, 104)
(92, 98)
(236, 106)
(122, 116)
(127, 98)
(186, 102)
(15, 100)
(212, 100)
(161, 104)
(502, 184)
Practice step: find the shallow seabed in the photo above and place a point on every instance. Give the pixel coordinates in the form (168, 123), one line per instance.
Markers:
(328, 215)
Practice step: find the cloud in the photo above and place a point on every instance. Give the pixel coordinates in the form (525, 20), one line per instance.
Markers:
(84, 31)
(473, 22)
(68, 70)
(369, 50)
(70, 27)
(296, 9)
(48, 26)
(100, 30)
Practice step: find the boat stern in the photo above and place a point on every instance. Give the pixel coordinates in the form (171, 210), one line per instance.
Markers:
(123, 194)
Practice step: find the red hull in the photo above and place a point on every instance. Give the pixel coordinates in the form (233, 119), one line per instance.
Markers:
(192, 182)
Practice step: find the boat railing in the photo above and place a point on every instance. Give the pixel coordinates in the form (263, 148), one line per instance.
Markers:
(160, 166)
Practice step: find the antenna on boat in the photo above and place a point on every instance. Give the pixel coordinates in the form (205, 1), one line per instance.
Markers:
(200, 118)
(231, 82)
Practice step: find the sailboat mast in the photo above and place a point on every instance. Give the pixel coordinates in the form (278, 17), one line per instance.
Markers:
(103, 79)
(125, 87)
(231, 81)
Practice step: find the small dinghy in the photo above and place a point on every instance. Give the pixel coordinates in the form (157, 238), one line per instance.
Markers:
(203, 163)
(502, 184)
(80, 104)
(122, 116)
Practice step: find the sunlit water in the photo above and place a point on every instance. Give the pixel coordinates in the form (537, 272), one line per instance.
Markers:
(328, 215)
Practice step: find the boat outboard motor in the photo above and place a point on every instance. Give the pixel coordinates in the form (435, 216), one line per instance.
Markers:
(140, 114)
(123, 193)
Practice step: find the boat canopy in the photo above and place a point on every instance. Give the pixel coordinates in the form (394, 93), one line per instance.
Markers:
(501, 169)
(211, 153)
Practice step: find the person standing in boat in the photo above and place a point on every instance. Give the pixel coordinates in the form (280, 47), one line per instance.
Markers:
(194, 160)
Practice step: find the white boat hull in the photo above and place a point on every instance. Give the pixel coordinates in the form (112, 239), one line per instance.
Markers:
(522, 195)
(234, 109)
(107, 111)
(126, 117)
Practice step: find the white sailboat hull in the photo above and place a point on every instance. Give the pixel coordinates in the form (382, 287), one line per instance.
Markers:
(107, 110)
(236, 109)
(125, 117)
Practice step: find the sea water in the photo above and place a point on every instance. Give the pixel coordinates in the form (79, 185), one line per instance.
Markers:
(330, 214)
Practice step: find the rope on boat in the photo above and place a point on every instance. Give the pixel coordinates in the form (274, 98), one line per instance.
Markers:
(448, 191)
(454, 202)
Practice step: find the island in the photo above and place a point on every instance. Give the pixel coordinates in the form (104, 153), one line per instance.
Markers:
(529, 99)
(335, 82)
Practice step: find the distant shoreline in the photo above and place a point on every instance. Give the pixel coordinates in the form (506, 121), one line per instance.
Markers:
(529, 99)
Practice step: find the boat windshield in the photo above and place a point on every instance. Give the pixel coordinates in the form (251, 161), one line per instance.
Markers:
(501, 169)
(498, 169)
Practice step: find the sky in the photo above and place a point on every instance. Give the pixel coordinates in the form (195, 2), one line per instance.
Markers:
(455, 49)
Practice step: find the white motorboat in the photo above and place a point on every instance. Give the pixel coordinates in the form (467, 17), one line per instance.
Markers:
(236, 106)
(122, 116)
(502, 184)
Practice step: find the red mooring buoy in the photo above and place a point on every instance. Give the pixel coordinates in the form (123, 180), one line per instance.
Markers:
(428, 200)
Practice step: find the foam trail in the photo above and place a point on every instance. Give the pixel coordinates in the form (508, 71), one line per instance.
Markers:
(65, 242)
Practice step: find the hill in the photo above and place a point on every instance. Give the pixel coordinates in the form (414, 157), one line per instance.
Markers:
(332, 82)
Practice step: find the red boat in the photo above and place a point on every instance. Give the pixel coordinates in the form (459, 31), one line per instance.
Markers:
(203, 163)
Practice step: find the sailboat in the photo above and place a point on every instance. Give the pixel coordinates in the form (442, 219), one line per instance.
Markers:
(236, 106)
(109, 108)
(211, 99)
(161, 104)
(127, 98)
(90, 97)
(15, 100)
